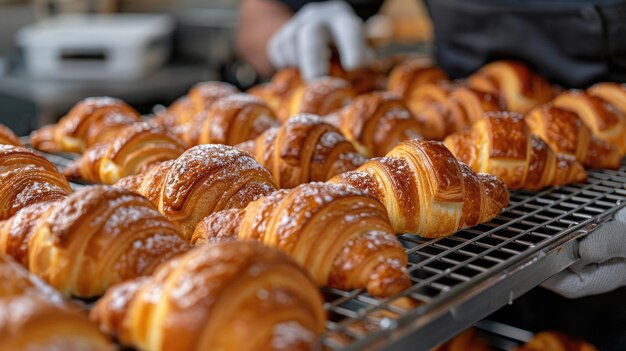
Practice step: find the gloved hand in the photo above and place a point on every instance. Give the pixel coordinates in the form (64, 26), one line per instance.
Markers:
(303, 42)
(602, 264)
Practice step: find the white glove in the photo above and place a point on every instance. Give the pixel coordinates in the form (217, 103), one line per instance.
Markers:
(303, 42)
(602, 264)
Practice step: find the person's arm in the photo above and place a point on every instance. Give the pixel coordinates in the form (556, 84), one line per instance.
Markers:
(258, 21)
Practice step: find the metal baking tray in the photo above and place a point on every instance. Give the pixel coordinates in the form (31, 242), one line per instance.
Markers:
(461, 279)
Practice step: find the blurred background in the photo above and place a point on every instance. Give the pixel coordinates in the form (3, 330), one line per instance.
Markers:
(147, 52)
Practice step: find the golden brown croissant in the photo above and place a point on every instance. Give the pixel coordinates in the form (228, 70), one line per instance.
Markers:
(137, 148)
(426, 191)
(613, 93)
(567, 134)
(502, 144)
(407, 77)
(203, 180)
(7, 137)
(374, 123)
(278, 91)
(96, 237)
(339, 234)
(178, 116)
(321, 96)
(469, 340)
(459, 109)
(605, 120)
(204, 94)
(231, 120)
(17, 281)
(304, 149)
(91, 121)
(223, 296)
(34, 323)
(517, 87)
(556, 341)
(27, 178)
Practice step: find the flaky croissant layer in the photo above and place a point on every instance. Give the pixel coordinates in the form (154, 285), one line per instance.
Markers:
(427, 191)
(340, 235)
(204, 179)
(96, 237)
(223, 296)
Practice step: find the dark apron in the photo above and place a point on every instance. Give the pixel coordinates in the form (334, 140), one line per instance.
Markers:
(574, 43)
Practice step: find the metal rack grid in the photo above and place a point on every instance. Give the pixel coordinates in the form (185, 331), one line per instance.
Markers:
(461, 279)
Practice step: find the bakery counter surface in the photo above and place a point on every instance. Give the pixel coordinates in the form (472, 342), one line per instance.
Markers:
(461, 279)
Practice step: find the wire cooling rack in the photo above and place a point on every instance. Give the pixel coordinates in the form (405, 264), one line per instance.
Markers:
(461, 279)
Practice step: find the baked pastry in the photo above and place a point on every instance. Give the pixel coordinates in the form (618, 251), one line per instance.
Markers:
(279, 90)
(7, 137)
(321, 96)
(178, 116)
(374, 123)
(407, 77)
(223, 296)
(556, 341)
(613, 93)
(204, 94)
(363, 80)
(454, 108)
(204, 179)
(517, 87)
(340, 235)
(304, 149)
(27, 178)
(468, 340)
(34, 323)
(17, 281)
(231, 120)
(96, 237)
(138, 147)
(502, 144)
(427, 191)
(567, 134)
(90, 121)
(605, 120)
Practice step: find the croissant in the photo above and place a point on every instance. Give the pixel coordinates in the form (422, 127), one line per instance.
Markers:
(278, 91)
(36, 317)
(613, 93)
(231, 120)
(321, 96)
(605, 120)
(177, 117)
(204, 94)
(407, 77)
(501, 144)
(34, 323)
(362, 80)
(517, 87)
(374, 123)
(203, 180)
(27, 178)
(340, 235)
(91, 121)
(224, 296)
(96, 237)
(304, 149)
(7, 137)
(17, 281)
(556, 341)
(469, 340)
(565, 133)
(138, 147)
(426, 191)
(460, 108)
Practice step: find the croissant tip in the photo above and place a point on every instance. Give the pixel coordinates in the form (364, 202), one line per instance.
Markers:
(389, 278)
